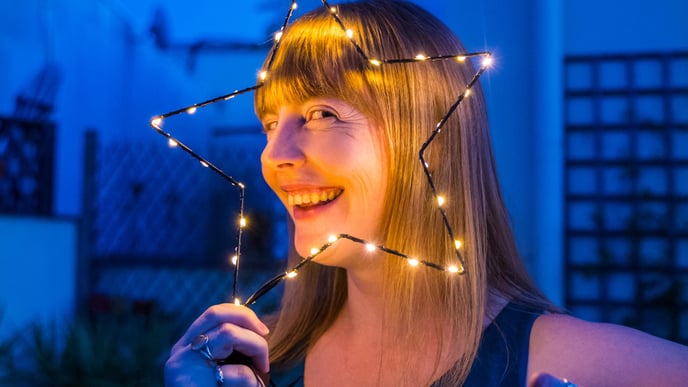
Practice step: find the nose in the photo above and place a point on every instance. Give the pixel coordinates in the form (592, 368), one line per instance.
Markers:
(284, 147)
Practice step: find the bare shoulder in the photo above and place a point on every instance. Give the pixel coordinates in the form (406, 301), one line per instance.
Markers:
(597, 354)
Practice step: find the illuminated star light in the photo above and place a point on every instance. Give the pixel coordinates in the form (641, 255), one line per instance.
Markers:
(157, 124)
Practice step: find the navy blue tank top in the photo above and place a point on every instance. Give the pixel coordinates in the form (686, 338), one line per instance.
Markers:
(502, 358)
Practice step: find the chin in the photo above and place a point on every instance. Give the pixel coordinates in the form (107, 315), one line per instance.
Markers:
(304, 244)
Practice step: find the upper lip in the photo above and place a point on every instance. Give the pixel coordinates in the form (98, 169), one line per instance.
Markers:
(305, 188)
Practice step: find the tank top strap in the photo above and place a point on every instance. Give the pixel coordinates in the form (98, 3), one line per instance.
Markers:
(502, 358)
(291, 377)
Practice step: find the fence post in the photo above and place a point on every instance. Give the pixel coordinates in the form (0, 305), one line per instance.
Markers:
(86, 228)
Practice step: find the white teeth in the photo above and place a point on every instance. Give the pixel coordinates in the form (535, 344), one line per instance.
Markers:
(311, 198)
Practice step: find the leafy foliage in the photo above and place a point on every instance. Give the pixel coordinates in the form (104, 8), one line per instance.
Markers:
(108, 350)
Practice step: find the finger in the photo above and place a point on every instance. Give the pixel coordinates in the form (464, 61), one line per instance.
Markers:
(223, 313)
(187, 368)
(240, 375)
(547, 380)
(228, 338)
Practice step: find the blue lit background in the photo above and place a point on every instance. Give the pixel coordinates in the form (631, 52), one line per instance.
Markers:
(109, 66)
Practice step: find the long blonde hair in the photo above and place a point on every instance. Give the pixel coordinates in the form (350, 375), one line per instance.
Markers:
(406, 101)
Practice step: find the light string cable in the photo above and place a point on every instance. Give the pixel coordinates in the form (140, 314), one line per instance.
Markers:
(156, 123)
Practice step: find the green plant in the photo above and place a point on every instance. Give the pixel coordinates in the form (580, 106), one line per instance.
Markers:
(5, 352)
(105, 351)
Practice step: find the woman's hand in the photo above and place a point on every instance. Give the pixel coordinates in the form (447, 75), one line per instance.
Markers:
(224, 329)
(547, 380)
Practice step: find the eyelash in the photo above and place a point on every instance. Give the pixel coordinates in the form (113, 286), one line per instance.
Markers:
(324, 114)
(269, 126)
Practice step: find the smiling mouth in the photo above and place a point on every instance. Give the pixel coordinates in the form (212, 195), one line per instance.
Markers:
(312, 199)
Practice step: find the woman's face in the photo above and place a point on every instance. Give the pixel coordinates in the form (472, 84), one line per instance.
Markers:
(327, 165)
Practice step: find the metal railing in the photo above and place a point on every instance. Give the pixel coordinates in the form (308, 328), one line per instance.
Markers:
(626, 190)
(161, 228)
(26, 166)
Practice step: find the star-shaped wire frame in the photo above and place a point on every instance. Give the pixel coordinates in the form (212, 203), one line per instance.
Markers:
(157, 121)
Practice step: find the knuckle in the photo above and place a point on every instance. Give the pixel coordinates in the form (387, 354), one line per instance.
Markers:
(173, 360)
(227, 334)
(171, 367)
(239, 375)
(213, 312)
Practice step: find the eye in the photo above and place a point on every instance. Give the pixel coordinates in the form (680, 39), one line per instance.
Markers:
(320, 114)
(269, 125)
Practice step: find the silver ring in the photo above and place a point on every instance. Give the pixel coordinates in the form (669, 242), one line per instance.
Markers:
(219, 376)
(567, 383)
(200, 345)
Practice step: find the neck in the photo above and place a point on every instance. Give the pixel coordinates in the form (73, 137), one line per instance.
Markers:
(366, 339)
(365, 299)
(363, 311)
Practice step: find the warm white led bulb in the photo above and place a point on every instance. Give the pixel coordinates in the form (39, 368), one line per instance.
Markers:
(461, 58)
(375, 62)
(315, 250)
(413, 262)
(487, 61)
(453, 269)
(278, 35)
(421, 57)
(333, 10)
(263, 75)
(370, 247)
(349, 33)
(291, 274)
(294, 6)
(203, 163)
(237, 301)
(172, 143)
(157, 122)
(332, 238)
(191, 110)
(467, 92)
(440, 200)
(457, 243)
(242, 222)
(234, 259)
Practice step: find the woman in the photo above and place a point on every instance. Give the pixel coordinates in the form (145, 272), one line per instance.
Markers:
(343, 136)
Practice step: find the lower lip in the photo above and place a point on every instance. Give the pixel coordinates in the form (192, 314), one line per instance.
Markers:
(311, 212)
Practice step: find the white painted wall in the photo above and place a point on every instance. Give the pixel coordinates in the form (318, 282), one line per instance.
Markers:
(37, 271)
